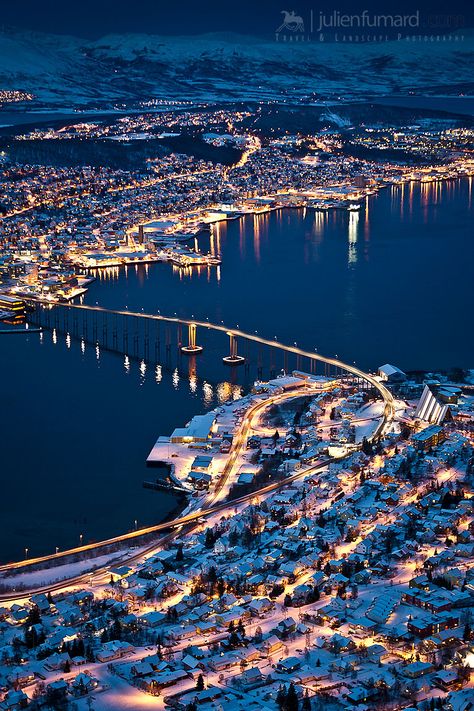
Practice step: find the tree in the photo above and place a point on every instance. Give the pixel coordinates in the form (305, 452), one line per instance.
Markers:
(291, 699)
(287, 601)
(306, 702)
(34, 617)
(179, 553)
(67, 667)
(116, 631)
(209, 539)
(467, 632)
(241, 629)
(281, 697)
(457, 375)
(200, 683)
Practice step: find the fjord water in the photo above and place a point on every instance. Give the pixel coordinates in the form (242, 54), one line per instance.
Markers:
(390, 284)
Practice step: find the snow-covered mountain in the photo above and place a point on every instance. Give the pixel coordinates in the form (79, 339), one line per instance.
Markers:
(124, 67)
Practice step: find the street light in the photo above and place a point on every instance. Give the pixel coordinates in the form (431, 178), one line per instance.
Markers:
(80, 538)
(26, 553)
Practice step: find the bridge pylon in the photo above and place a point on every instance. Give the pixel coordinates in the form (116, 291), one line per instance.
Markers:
(192, 348)
(233, 358)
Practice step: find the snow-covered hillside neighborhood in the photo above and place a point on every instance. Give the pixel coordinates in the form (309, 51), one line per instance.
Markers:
(346, 583)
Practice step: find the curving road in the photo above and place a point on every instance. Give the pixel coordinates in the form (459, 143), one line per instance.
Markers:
(210, 507)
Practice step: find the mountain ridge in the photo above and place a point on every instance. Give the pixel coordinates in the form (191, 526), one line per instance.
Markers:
(224, 66)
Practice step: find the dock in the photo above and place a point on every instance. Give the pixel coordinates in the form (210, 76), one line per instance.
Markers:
(165, 486)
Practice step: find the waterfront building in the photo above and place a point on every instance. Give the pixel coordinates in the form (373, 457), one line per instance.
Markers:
(198, 430)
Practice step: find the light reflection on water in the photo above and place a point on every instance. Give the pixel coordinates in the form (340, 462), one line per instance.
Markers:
(109, 410)
(218, 394)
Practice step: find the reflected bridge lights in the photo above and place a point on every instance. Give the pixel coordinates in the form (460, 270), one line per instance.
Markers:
(193, 383)
(175, 379)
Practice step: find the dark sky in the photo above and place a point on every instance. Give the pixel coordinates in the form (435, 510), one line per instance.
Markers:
(94, 18)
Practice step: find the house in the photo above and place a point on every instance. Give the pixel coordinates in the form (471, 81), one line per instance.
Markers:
(58, 689)
(447, 679)
(224, 661)
(152, 619)
(199, 480)
(142, 669)
(260, 606)
(21, 676)
(272, 645)
(41, 602)
(152, 684)
(289, 665)
(14, 701)
(113, 650)
(251, 678)
(57, 661)
(286, 626)
(83, 684)
(391, 374)
(417, 669)
(117, 574)
(202, 463)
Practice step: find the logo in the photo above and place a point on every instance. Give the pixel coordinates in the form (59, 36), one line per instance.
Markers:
(291, 22)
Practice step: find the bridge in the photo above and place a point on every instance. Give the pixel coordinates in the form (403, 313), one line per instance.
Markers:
(42, 314)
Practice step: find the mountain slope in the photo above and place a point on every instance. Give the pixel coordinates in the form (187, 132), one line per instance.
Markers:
(116, 67)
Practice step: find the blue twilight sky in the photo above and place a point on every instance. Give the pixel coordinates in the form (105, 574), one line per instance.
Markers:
(95, 18)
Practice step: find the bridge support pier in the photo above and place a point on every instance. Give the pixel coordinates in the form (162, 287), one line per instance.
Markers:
(192, 348)
(233, 358)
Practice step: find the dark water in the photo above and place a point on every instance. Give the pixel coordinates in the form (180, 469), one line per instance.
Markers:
(76, 430)
(393, 283)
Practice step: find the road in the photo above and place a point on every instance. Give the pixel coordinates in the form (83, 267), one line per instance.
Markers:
(210, 507)
(179, 525)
